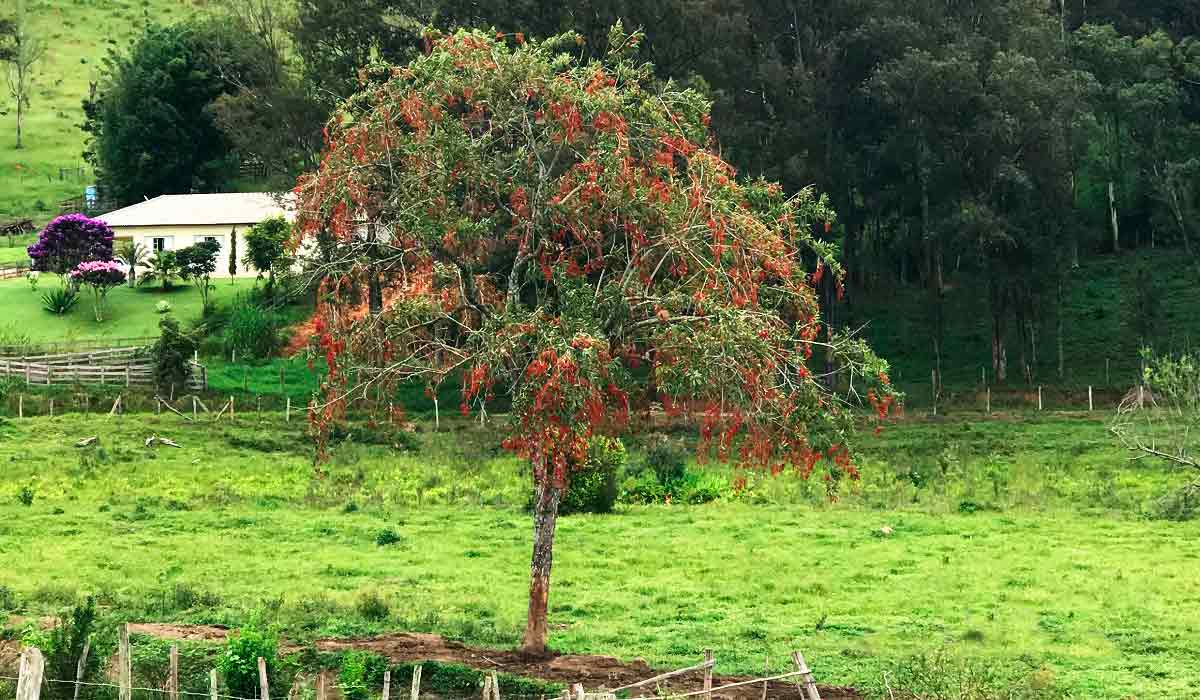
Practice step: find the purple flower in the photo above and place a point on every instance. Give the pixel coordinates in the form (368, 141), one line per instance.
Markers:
(69, 240)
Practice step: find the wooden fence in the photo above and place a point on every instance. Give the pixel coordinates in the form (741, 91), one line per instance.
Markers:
(80, 347)
(120, 366)
(32, 678)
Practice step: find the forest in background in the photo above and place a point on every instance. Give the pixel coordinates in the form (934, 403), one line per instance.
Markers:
(991, 163)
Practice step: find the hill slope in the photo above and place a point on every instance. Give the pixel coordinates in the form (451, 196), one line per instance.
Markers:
(77, 34)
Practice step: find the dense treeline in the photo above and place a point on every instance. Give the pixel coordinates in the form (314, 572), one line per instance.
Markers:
(981, 144)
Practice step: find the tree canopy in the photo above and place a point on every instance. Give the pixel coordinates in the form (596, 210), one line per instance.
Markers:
(69, 240)
(564, 231)
(151, 130)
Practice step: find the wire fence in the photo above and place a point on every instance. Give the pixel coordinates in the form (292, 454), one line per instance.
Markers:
(316, 685)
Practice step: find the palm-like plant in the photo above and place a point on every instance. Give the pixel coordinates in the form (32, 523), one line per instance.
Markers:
(164, 267)
(133, 255)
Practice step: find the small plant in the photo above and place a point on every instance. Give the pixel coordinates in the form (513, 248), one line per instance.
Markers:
(163, 307)
(373, 607)
(360, 670)
(387, 536)
(33, 277)
(60, 300)
(25, 495)
(164, 269)
(133, 255)
(238, 664)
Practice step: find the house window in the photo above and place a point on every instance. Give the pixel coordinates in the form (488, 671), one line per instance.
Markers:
(160, 244)
(206, 239)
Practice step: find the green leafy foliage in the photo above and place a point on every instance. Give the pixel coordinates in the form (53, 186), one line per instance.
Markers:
(238, 664)
(251, 330)
(60, 300)
(198, 262)
(593, 488)
(164, 269)
(139, 144)
(172, 353)
(361, 671)
(265, 246)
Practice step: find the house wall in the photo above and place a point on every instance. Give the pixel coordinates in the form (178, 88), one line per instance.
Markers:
(176, 237)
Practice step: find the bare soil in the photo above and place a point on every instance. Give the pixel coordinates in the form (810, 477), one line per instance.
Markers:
(591, 671)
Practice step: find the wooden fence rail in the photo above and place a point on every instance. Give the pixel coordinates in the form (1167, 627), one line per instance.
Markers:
(128, 373)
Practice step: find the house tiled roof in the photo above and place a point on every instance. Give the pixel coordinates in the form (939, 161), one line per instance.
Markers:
(203, 210)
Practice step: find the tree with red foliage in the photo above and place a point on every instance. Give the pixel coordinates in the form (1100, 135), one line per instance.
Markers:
(565, 232)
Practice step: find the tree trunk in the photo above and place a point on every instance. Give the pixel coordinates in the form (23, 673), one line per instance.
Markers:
(999, 353)
(20, 117)
(1059, 320)
(375, 294)
(1112, 214)
(545, 519)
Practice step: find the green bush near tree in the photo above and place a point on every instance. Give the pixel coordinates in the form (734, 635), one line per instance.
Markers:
(593, 488)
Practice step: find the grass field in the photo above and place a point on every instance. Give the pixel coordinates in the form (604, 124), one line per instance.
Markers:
(15, 253)
(129, 312)
(1017, 544)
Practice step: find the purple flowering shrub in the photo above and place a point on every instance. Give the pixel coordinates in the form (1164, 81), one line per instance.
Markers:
(70, 240)
(101, 276)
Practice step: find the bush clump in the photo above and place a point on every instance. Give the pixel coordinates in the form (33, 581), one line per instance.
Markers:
(251, 331)
(238, 664)
(593, 488)
(171, 354)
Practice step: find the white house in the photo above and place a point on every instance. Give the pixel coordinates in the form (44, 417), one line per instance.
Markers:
(174, 221)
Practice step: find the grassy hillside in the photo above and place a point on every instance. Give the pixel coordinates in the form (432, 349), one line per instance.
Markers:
(78, 34)
(1016, 545)
(129, 313)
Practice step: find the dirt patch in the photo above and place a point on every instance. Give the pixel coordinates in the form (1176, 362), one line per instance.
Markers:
(591, 671)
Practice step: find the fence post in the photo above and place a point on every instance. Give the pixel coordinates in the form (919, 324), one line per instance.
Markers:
(173, 679)
(416, 683)
(49, 369)
(29, 677)
(806, 677)
(989, 401)
(231, 408)
(264, 690)
(933, 384)
(1090, 406)
(496, 688)
(288, 412)
(387, 685)
(320, 685)
(708, 670)
(195, 411)
(766, 674)
(81, 665)
(51, 408)
(212, 684)
(25, 361)
(20, 405)
(127, 374)
(125, 667)
(1039, 398)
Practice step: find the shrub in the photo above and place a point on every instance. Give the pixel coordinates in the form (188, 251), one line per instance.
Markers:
(1180, 506)
(60, 300)
(252, 331)
(66, 647)
(239, 662)
(360, 670)
(666, 459)
(388, 536)
(33, 277)
(171, 354)
(163, 307)
(593, 488)
(372, 606)
(25, 495)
